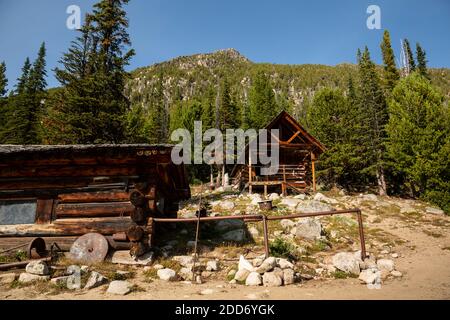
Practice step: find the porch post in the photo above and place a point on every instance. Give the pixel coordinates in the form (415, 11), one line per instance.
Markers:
(313, 168)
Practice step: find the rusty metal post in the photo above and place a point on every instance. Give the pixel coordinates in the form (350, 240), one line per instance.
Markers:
(266, 236)
(361, 235)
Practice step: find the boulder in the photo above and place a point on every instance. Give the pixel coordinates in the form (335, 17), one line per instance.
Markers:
(7, 278)
(60, 280)
(385, 265)
(38, 268)
(253, 279)
(167, 274)
(212, 265)
(320, 197)
(346, 261)
(284, 263)
(267, 265)
(287, 224)
(274, 196)
(123, 257)
(254, 232)
(290, 202)
(186, 274)
(28, 277)
(313, 206)
(231, 224)
(241, 275)
(119, 287)
(407, 209)
(270, 279)
(207, 292)
(227, 205)
(95, 280)
(432, 210)
(288, 276)
(370, 276)
(185, 261)
(235, 235)
(369, 197)
(74, 282)
(308, 228)
(258, 261)
(255, 198)
(245, 264)
(300, 196)
(396, 274)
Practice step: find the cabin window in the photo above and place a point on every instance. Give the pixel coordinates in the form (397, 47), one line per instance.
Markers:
(17, 212)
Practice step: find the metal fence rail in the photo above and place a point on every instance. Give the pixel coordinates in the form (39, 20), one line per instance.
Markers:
(265, 218)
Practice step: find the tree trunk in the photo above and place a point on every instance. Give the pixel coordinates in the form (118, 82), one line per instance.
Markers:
(381, 182)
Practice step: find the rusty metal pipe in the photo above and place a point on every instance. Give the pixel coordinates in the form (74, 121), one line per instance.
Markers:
(361, 235)
(243, 217)
(266, 236)
(7, 266)
(256, 218)
(312, 214)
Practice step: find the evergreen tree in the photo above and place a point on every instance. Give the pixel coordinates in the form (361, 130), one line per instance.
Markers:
(421, 61)
(3, 79)
(373, 119)
(390, 74)
(419, 139)
(410, 56)
(261, 101)
(228, 113)
(92, 106)
(208, 114)
(22, 119)
(3, 102)
(36, 81)
(22, 81)
(332, 120)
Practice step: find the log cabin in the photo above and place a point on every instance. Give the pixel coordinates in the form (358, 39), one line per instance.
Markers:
(298, 153)
(61, 192)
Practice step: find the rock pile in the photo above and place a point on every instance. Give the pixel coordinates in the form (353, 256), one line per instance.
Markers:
(369, 271)
(270, 272)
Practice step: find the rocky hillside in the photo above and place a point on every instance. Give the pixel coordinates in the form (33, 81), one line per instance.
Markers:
(189, 77)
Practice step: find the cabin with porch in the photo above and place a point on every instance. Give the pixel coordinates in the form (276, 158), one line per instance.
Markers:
(298, 153)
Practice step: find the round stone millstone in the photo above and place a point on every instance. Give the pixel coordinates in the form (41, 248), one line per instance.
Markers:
(89, 248)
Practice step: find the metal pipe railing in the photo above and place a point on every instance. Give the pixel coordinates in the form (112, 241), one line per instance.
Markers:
(264, 219)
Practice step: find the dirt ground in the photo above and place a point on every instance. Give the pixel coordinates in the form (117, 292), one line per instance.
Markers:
(424, 260)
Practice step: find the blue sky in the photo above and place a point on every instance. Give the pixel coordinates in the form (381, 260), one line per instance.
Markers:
(281, 31)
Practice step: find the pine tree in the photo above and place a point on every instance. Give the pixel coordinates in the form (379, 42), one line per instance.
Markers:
(419, 139)
(390, 74)
(332, 120)
(22, 81)
(92, 106)
(410, 56)
(421, 61)
(373, 119)
(261, 101)
(3, 79)
(228, 113)
(3, 101)
(37, 82)
(208, 114)
(22, 123)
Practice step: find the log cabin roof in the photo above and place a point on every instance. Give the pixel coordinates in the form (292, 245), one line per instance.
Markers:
(6, 149)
